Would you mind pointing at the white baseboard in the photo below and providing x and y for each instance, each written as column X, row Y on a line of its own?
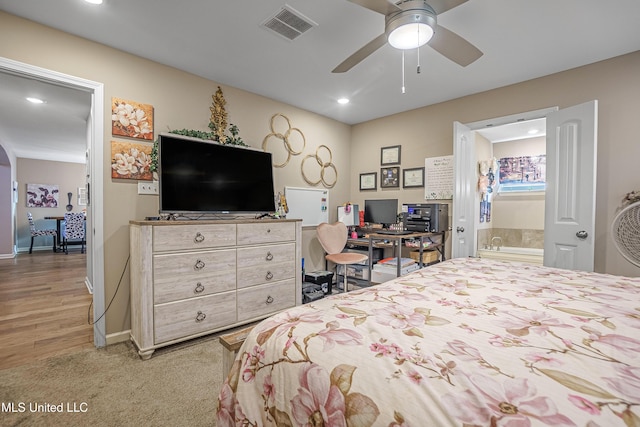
column 118, row 337
column 7, row 256
column 88, row 284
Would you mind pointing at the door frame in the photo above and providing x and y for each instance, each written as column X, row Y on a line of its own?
column 471, row 226
column 95, row 209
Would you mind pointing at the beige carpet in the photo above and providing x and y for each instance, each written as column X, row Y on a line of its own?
column 112, row 386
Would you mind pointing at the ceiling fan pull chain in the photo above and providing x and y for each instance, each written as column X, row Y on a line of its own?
column 418, row 49
column 403, row 71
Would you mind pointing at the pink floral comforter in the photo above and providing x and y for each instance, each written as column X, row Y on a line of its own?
column 468, row 342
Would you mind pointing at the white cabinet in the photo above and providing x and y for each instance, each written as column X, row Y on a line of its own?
column 192, row 278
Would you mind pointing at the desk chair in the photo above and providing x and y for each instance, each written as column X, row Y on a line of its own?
column 73, row 229
column 333, row 238
column 35, row 232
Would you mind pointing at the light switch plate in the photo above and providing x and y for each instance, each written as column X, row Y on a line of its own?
column 148, row 187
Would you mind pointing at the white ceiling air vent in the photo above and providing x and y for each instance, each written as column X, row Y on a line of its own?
column 289, row 23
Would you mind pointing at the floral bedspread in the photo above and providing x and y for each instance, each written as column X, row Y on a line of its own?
column 467, row 342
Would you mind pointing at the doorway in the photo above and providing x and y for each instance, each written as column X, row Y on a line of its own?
column 94, row 159
column 571, row 160
column 511, row 189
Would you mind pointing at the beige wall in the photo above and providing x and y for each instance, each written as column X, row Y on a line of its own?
column 428, row 132
column 182, row 100
column 520, row 210
column 67, row 176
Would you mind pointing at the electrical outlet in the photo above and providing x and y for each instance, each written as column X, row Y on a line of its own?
column 147, row 187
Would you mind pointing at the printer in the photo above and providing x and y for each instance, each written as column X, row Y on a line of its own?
column 426, row 217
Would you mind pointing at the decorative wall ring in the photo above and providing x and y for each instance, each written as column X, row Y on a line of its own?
column 285, row 137
column 323, row 168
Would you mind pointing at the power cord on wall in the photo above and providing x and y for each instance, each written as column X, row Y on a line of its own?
column 112, row 298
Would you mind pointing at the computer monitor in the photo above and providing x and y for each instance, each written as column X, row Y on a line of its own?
column 382, row 211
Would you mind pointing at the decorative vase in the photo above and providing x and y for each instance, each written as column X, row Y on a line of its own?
column 69, row 206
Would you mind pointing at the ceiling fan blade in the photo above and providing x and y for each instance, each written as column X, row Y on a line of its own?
column 441, row 6
column 380, row 6
column 454, row 47
column 361, row 54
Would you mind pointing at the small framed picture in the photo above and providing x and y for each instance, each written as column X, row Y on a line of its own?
column 390, row 155
column 82, row 196
column 368, row 181
column 413, row 177
column 390, row 177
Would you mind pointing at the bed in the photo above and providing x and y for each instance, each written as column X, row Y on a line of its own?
column 467, row 342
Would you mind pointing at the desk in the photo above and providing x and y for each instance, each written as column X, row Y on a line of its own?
column 375, row 240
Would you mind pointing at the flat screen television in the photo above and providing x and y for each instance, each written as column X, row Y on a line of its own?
column 197, row 176
column 381, row 211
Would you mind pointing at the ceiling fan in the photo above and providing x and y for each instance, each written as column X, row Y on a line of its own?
column 410, row 24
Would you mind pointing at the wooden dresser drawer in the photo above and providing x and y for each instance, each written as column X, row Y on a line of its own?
column 261, row 274
column 266, row 299
column 266, row 255
column 192, row 274
column 266, row 232
column 196, row 236
column 197, row 315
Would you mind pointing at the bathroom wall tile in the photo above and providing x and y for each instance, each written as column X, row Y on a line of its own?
column 533, row 239
column 512, row 237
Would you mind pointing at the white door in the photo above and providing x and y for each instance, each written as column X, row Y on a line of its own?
column 569, row 229
column 463, row 234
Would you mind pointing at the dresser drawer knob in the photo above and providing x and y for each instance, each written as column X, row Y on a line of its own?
column 200, row 316
column 199, row 265
column 269, row 256
column 269, row 275
column 199, row 238
column 269, row 299
column 268, row 230
column 199, row 288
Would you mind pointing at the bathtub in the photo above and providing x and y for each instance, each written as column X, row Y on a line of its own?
column 507, row 253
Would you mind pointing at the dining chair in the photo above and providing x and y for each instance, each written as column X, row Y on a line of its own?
column 74, row 229
column 43, row 232
column 333, row 239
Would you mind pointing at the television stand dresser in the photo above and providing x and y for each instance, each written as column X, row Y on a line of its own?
column 192, row 278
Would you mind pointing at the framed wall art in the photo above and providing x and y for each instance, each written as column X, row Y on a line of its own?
column 368, row 181
column 131, row 119
column 413, row 178
column 131, row 160
column 390, row 177
column 390, row 155
column 42, row 195
column 82, row 196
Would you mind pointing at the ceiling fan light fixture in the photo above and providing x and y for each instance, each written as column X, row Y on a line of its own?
column 410, row 36
column 410, row 28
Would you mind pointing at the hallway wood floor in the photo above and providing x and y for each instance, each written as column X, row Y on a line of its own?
column 44, row 304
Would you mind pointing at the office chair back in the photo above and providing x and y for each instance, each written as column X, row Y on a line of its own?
column 332, row 237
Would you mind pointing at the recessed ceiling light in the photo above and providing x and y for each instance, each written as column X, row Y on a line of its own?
column 533, row 131
column 35, row 100
column 343, row 101
column 94, row 1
